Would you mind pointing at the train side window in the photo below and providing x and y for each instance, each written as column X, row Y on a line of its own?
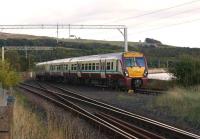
column 82, row 67
column 86, row 66
column 111, row 65
column 108, row 66
column 93, row 66
column 72, row 67
column 75, row 66
column 90, row 66
column 66, row 67
column 97, row 66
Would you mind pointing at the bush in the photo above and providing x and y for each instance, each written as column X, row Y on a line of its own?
column 8, row 76
column 187, row 71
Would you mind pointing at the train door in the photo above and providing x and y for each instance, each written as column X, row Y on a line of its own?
column 103, row 66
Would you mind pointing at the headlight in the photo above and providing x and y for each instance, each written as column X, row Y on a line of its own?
column 126, row 73
column 145, row 73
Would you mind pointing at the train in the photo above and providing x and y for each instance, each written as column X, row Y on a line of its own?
column 127, row 70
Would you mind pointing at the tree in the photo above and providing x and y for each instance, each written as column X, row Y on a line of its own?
column 187, row 71
column 8, row 76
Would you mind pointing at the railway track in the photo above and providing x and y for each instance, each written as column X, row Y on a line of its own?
column 123, row 123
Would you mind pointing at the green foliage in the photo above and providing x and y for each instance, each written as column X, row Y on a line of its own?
column 187, row 71
column 8, row 77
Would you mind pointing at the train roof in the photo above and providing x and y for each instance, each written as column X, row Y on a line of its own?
column 85, row 58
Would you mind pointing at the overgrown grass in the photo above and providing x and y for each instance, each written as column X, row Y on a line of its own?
column 27, row 124
column 182, row 103
column 31, row 123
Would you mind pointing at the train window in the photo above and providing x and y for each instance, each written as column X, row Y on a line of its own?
column 93, row 66
column 90, row 66
column 111, row 65
column 75, row 66
column 82, row 67
column 86, row 66
column 140, row 61
column 108, row 66
column 72, row 67
column 66, row 67
column 130, row 62
column 97, row 66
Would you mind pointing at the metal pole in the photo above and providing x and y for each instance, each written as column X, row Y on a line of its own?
column 125, row 40
column 2, row 53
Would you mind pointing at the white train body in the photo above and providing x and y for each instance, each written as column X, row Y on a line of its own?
column 95, row 68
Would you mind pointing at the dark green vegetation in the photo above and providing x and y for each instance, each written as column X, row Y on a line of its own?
column 187, row 71
column 161, row 56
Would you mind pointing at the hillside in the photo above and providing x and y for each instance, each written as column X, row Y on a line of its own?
column 161, row 56
column 12, row 36
column 4, row 35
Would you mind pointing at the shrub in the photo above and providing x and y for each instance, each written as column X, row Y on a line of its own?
column 187, row 71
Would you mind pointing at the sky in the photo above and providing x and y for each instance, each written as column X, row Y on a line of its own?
column 179, row 26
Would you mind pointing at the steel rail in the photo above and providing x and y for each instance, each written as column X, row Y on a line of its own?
column 130, row 126
column 182, row 133
column 85, row 114
column 144, row 132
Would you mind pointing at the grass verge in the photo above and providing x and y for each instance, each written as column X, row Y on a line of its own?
column 46, row 121
column 182, row 103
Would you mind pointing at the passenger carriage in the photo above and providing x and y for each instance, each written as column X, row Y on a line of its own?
column 125, row 69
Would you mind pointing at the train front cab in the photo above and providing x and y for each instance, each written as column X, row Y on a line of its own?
column 135, row 70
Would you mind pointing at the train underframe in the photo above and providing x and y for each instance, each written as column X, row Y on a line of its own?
column 111, row 81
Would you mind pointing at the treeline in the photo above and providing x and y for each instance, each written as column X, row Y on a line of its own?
column 187, row 70
column 28, row 42
column 157, row 57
